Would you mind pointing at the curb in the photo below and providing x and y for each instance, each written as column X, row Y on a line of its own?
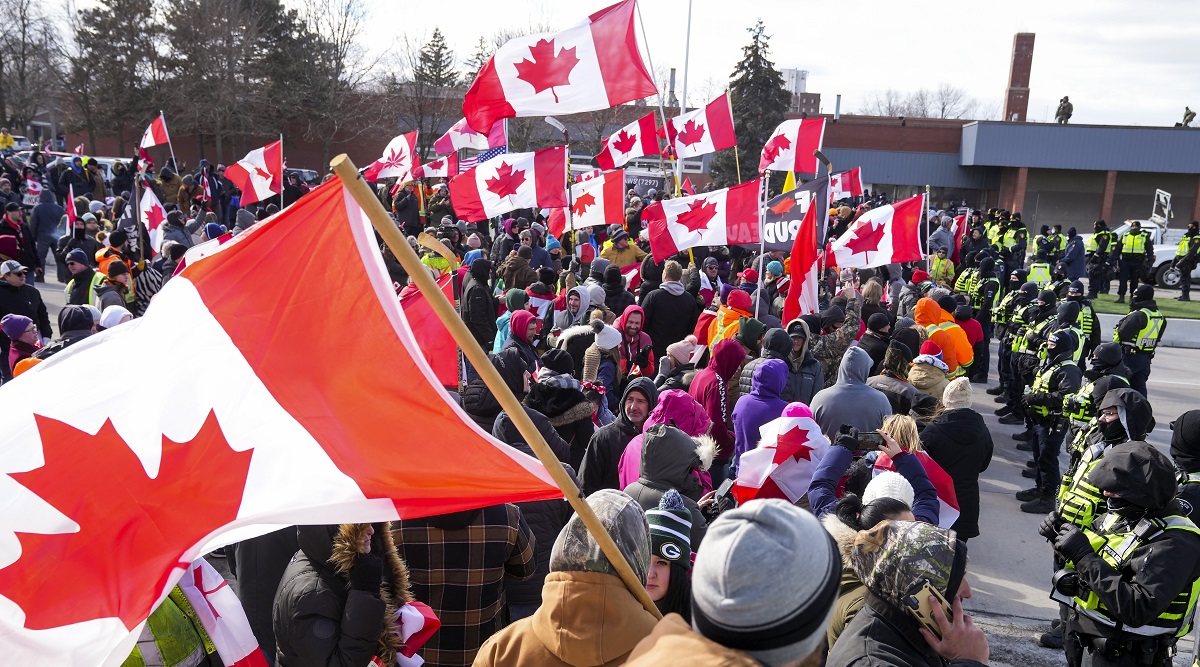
column 1180, row 332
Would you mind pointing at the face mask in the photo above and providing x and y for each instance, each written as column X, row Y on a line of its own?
column 1114, row 432
column 1093, row 374
column 1122, row 507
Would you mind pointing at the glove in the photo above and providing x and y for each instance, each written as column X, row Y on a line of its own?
column 1035, row 398
column 1072, row 544
column 367, row 573
column 847, row 440
column 1049, row 527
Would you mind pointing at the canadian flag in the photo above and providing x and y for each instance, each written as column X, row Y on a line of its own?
column 705, row 130
column 598, row 201
column 594, row 65
column 398, row 161
column 79, row 150
column 687, row 186
column 949, row 510
column 845, row 184
column 71, row 212
column 720, row 217
column 791, row 146
column 153, row 216
column 882, row 236
column 802, row 265
column 155, row 134
column 512, row 181
column 109, row 498
column 221, row 615
column 260, row 174
column 782, row 465
column 443, row 167
column 588, row 175
column 460, row 135
column 202, row 250
column 634, row 140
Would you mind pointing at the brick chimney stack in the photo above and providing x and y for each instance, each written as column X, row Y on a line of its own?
column 1016, row 101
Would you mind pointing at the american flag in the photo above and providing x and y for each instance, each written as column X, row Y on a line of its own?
column 472, row 162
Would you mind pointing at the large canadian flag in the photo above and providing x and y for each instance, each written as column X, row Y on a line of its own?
column 155, row 134
column 846, row 184
column 720, row 217
column 594, row 65
column 516, row 180
column 782, row 464
column 398, row 161
column 705, row 130
column 594, row 202
column 634, row 140
column 948, row 507
column 260, row 174
column 791, row 146
column 460, row 135
column 444, row 167
column 153, row 216
column 882, row 236
column 802, row 265
column 109, row 497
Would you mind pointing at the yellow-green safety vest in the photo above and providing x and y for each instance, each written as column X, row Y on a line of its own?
column 1093, row 242
column 940, row 270
column 1133, row 243
column 1041, row 385
column 965, row 282
column 1039, row 274
column 1078, row 348
column 1185, row 245
column 1002, row 310
column 172, row 637
column 1149, row 336
column 97, row 281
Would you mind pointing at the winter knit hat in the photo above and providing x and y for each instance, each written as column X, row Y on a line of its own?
column 473, row 241
column 931, row 348
column 947, row 303
column 919, row 277
column 895, row 556
column 558, row 361
column 889, row 484
column 877, row 322
column 515, row 299
column 112, row 316
column 78, row 256
column 797, row 409
column 681, row 351
column 775, row 268
column 726, row 289
column 671, row 529
column 14, row 325
column 607, row 338
column 749, row 331
column 214, row 230
column 117, row 268
column 775, row 615
column 957, row 394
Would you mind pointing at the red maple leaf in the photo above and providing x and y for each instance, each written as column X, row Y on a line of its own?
column 133, row 529
column 582, row 202
column 691, row 133
column 793, row 443
column 464, row 129
column 547, row 70
column 154, row 217
column 506, row 181
column 866, row 239
column 697, row 216
column 623, row 142
column 436, row 165
column 784, row 206
column 777, row 143
column 264, row 174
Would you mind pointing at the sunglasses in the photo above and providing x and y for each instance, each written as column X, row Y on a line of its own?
column 74, row 264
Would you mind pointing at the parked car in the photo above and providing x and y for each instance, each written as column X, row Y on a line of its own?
column 308, row 176
column 1166, row 242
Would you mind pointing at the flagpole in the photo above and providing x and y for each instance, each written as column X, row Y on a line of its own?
column 687, row 48
column 662, row 112
column 137, row 219
column 170, row 147
column 925, row 221
column 282, row 176
column 386, row 227
column 737, row 161
column 762, row 238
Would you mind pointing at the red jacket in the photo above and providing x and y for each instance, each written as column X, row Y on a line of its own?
column 707, row 388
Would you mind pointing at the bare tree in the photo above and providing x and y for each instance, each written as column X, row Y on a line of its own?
column 419, row 97
column 887, row 103
column 950, row 101
column 947, row 101
column 29, row 64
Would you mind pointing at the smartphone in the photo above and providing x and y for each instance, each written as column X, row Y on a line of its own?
column 870, row 440
column 917, row 604
column 721, row 499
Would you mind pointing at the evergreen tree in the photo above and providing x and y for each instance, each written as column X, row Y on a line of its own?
column 435, row 66
column 477, row 60
column 759, row 100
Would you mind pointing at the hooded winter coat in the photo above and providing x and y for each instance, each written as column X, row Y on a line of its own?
column 633, row 350
column 850, row 401
column 564, row 319
column 673, row 642
column 560, row 399
column 478, row 400
column 616, row 297
column 959, row 441
column 668, row 458
column 928, row 378
column 588, row 617
column 761, row 405
column 518, row 326
column 711, row 389
column 516, row 273
column 956, row 349
column 477, row 306
column 671, row 314
column 675, row 408
column 319, row 620
column 603, row 455
column 805, row 375
column 45, row 217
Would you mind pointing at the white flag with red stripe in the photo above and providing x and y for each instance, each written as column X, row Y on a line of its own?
column 802, row 264
column 460, row 135
column 782, row 465
column 155, row 134
column 948, row 511
column 108, row 497
column 79, row 150
column 634, row 140
column 71, row 212
column 443, row 167
column 791, row 146
column 398, row 161
column 508, row 182
column 845, row 185
column 594, row 65
column 882, row 236
column 221, row 615
column 720, row 217
column 260, row 174
column 153, row 216
column 705, row 130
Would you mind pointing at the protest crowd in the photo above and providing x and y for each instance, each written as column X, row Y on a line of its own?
column 787, row 454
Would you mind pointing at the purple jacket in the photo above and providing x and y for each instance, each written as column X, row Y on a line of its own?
column 762, row 405
column 675, row 408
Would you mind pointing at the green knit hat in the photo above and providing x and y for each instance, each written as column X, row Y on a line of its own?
column 671, row 530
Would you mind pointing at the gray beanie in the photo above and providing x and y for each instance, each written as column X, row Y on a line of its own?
column 776, row 614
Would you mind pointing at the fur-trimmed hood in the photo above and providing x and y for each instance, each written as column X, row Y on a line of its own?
column 842, row 534
column 332, row 549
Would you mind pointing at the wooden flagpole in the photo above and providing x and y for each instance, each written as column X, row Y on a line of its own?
column 174, row 162
column 387, row 229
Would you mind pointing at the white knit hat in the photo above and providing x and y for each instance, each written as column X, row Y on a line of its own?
column 888, row 484
column 607, row 338
column 957, row 394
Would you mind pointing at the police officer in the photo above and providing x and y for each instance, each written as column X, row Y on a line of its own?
column 1139, row 333
column 1014, row 241
column 1029, row 322
column 985, row 290
column 1002, row 316
column 1132, row 577
column 1058, row 377
column 1039, row 270
column 1185, row 449
column 1043, row 244
column 1059, row 282
column 1098, row 260
column 1133, row 248
column 1089, row 326
column 1058, row 241
column 1186, row 257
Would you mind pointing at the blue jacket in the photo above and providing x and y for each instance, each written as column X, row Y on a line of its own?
column 1074, row 258
column 763, row 404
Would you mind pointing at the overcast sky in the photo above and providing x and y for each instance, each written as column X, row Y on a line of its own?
column 1120, row 62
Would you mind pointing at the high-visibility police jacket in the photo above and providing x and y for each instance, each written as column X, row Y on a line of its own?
column 1086, row 321
column 993, row 230
column 1116, row 542
column 97, row 282
column 966, row 280
column 1009, row 239
column 1043, row 383
column 1078, row 500
column 1100, row 242
column 1150, row 335
column 1002, row 312
column 1058, row 242
column 983, row 295
column 1134, row 243
column 172, row 637
column 1039, row 273
column 1053, row 329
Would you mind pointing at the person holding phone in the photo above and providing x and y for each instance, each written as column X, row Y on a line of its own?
column 850, row 445
column 916, row 579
